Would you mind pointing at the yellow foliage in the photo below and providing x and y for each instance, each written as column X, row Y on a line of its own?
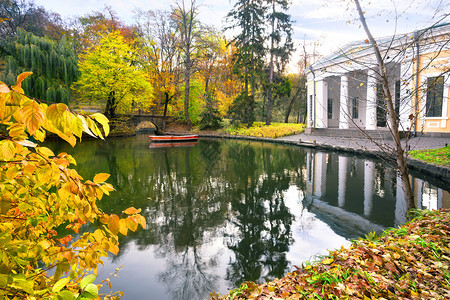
column 40, row 194
column 275, row 130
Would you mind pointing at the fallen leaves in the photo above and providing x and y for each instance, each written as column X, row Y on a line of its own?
column 410, row 262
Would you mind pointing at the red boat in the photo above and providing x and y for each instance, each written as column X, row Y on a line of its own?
column 173, row 138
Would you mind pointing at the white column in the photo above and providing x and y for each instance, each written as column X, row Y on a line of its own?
column 310, row 173
column 418, row 191
column 310, row 102
column 342, row 179
column 369, row 167
column 371, row 103
column 407, row 98
column 321, row 108
column 344, row 113
column 320, row 180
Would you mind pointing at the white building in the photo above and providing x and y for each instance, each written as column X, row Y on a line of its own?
column 344, row 90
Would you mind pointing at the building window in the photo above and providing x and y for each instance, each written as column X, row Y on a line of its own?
column 355, row 108
column 330, row 108
column 435, row 95
column 381, row 106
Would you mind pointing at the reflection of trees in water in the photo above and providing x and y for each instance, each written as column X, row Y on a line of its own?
column 190, row 210
column 188, row 194
column 262, row 220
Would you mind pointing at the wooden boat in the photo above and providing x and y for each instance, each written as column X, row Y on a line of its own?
column 173, row 138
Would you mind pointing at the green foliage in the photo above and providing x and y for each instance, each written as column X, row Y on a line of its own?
column 53, row 64
column 242, row 110
column 247, row 21
column 259, row 129
column 210, row 117
column 440, row 157
column 110, row 74
column 412, row 265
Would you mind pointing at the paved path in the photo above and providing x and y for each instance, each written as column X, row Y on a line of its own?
column 422, row 142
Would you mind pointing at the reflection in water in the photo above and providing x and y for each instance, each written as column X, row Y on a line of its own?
column 222, row 212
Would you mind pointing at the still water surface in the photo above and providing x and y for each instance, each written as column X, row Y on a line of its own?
column 223, row 212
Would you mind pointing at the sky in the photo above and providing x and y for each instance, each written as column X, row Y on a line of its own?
column 331, row 23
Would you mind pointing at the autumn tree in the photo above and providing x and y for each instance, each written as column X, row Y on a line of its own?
column 186, row 18
column 46, row 248
column 53, row 64
column 281, row 45
column 159, row 53
column 89, row 29
column 111, row 75
column 26, row 15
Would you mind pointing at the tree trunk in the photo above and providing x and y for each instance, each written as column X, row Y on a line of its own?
column 399, row 152
column 269, row 92
column 166, row 102
column 186, row 95
column 291, row 104
column 110, row 105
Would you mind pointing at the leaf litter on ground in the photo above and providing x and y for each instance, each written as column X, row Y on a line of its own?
column 409, row 262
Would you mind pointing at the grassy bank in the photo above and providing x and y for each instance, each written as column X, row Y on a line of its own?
column 440, row 157
column 410, row 262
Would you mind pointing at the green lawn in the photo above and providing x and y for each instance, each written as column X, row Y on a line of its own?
column 440, row 157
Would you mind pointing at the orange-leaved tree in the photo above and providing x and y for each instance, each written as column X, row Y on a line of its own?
column 42, row 200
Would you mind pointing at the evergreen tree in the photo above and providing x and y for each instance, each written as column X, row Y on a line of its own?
column 247, row 16
column 281, row 45
column 53, row 64
column 210, row 117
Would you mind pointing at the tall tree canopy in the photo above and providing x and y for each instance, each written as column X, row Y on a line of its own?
column 111, row 75
column 188, row 29
column 247, row 18
column 281, row 45
column 53, row 64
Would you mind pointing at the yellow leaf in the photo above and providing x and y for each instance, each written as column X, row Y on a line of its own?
column 77, row 127
column 98, row 235
column 93, row 127
column 29, row 169
column 131, row 211
column 45, row 151
column 102, row 120
column 8, row 149
column 85, row 126
column 114, row 224
column 45, row 244
column 101, row 177
column 123, row 226
column 40, row 135
column 21, row 77
column 114, row 249
column 32, row 116
column 327, row 261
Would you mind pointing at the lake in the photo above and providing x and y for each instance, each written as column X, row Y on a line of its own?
column 221, row 212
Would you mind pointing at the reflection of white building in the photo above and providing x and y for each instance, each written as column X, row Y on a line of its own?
column 361, row 187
